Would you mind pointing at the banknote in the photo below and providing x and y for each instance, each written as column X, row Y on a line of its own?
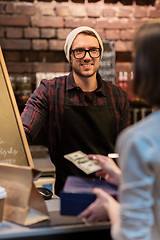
column 82, row 161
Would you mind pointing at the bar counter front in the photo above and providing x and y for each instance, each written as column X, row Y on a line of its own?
column 57, row 227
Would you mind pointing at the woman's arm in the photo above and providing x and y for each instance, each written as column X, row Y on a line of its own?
column 104, row 206
column 136, row 200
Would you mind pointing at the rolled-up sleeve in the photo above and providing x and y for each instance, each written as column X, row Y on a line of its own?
column 35, row 112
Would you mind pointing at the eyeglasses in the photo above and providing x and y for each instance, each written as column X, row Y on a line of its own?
column 80, row 53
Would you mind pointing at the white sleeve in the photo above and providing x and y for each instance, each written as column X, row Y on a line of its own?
column 115, row 231
column 136, row 215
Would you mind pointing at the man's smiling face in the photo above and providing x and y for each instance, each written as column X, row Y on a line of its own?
column 87, row 66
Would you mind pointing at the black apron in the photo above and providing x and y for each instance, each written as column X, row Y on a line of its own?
column 91, row 129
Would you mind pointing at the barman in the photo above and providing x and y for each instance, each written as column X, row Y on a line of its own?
column 80, row 111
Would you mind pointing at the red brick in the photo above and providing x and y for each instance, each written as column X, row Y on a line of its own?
column 51, row 67
column 29, row 56
column 127, row 34
column 46, row 8
column 48, row 33
column 12, row 56
column 39, row 44
column 140, row 12
column 62, row 11
column 77, row 22
column 136, row 23
column 14, row 20
column 2, row 8
column 25, row 8
column 123, row 46
column 14, row 32
column 154, row 13
column 50, row 56
column 9, row 8
column 94, row 10
column 2, row 32
column 112, row 34
column 63, row 32
column 15, row 44
column 47, row 21
column 112, row 24
column 19, row 67
column 109, row 12
column 125, row 12
column 78, row 11
column 56, row 45
column 31, row 32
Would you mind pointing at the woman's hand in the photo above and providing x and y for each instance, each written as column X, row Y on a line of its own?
column 110, row 171
column 104, row 207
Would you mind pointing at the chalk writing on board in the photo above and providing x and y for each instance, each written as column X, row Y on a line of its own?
column 10, row 161
column 7, row 155
column 107, row 63
column 10, row 151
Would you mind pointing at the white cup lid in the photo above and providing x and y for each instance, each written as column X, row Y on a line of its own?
column 113, row 155
column 3, row 193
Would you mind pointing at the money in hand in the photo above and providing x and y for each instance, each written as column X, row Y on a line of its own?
column 82, row 161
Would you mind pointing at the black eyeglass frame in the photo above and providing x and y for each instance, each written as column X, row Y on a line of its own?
column 73, row 51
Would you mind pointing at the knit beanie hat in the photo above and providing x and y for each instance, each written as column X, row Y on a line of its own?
column 72, row 35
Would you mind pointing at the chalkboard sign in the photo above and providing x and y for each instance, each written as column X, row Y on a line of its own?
column 107, row 63
column 14, row 147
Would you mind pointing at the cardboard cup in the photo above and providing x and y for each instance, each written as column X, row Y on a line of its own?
column 3, row 195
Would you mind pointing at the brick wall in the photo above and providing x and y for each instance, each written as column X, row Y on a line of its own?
column 33, row 32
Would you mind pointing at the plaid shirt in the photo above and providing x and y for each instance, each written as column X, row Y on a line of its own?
column 45, row 107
